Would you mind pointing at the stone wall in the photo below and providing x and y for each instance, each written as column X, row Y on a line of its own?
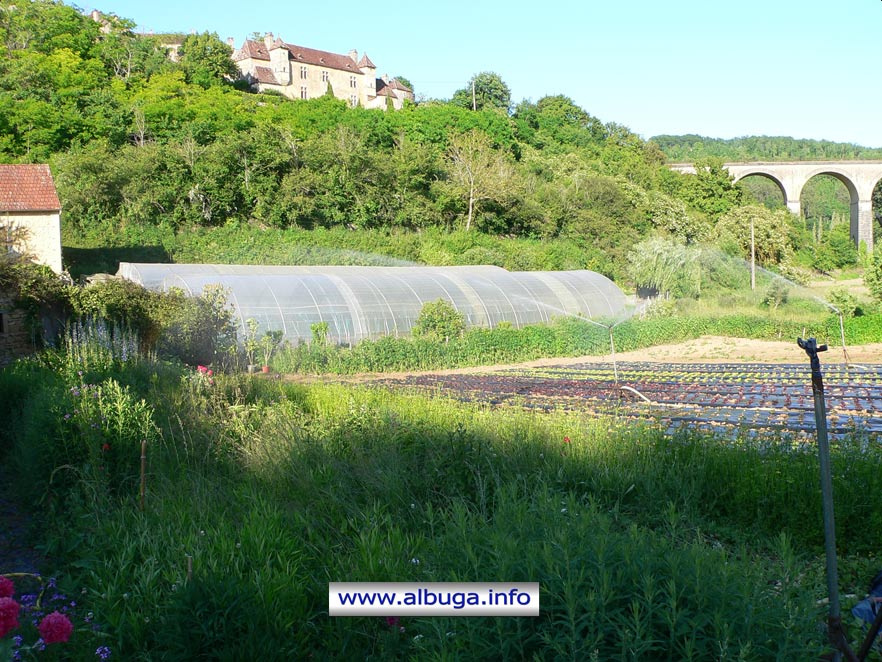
column 15, row 335
column 42, row 240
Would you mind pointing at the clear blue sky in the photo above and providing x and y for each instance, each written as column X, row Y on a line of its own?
column 807, row 69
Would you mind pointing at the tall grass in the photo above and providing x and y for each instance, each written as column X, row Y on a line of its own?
column 645, row 546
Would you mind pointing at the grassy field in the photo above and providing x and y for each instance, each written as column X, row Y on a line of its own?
column 261, row 492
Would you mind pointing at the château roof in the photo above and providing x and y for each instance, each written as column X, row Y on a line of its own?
column 395, row 84
column 257, row 50
column 321, row 58
column 265, row 75
column 365, row 63
column 27, row 187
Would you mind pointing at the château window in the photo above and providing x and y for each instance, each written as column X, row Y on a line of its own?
column 303, row 72
column 352, row 82
column 324, row 76
column 303, row 92
column 353, row 100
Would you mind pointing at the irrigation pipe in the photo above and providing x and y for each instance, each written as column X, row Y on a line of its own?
column 638, row 393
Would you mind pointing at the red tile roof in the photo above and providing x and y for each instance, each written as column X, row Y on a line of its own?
column 253, row 49
column 365, row 62
column 27, row 188
column 322, row 58
column 396, row 85
column 265, row 75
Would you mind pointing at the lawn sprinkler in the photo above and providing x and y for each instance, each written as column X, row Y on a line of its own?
column 835, row 632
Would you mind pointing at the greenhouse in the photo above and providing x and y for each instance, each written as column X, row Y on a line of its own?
column 368, row 302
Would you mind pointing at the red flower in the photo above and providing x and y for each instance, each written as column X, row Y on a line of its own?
column 392, row 621
column 8, row 615
column 566, row 440
column 7, row 588
column 55, row 627
column 105, row 447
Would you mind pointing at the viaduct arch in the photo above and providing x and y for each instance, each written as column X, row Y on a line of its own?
column 859, row 177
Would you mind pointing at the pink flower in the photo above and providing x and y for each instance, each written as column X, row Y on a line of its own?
column 211, row 373
column 55, row 627
column 7, row 588
column 202, row 369
column 8, row 615
column 566, row 440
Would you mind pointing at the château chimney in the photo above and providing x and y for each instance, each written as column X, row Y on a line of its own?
column 268, row 39
column 354, row 55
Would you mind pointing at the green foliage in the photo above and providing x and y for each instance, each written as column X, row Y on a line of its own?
column 761, row 148
column 777, row 293
column 485, row 90
column 873, row 274
column 846, row 302
column 205, row 59
column 331, row 481
column 439, row 320
column 319, row 331
column 710, row 190
column 666, row 266
column 772, row 245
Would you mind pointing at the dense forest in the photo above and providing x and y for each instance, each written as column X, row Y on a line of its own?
column 144, row 146
column 690, row 148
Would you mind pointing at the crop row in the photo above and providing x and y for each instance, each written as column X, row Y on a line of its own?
column 757, row 398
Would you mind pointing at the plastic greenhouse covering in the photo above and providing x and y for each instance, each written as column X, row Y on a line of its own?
column 367, row 302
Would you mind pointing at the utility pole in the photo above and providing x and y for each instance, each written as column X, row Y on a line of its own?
column 752, row 257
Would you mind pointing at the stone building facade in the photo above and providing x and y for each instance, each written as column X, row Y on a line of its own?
column 30, row 225
column 306, row 73
column 30, row 213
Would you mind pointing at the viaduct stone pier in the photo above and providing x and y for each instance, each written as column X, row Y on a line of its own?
column 859, row 177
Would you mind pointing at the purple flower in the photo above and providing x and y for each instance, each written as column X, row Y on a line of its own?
column 103, row 652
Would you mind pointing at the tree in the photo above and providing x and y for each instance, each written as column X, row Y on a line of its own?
column 771, row 230
column 206, row 60
column 484, row 90
column 478, row 171
column 873, row 274
column 711, row 189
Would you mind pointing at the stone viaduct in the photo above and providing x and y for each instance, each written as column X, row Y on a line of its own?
column 859, row 177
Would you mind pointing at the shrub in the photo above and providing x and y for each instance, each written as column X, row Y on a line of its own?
column 845, row 301
column 439, row 320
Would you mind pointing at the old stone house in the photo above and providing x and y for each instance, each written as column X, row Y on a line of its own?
column 30, row 226
column 306, row 73
column 30, row 213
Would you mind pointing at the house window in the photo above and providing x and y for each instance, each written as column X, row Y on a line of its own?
column 303, row 92
column 303, row 73
column 353, row 100
column 352, row 82
column 324, row 76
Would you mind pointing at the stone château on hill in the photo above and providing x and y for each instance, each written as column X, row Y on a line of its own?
column 305, row 73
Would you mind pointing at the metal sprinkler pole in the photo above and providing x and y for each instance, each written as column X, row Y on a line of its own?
column 834, row 620
column 612, row 347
